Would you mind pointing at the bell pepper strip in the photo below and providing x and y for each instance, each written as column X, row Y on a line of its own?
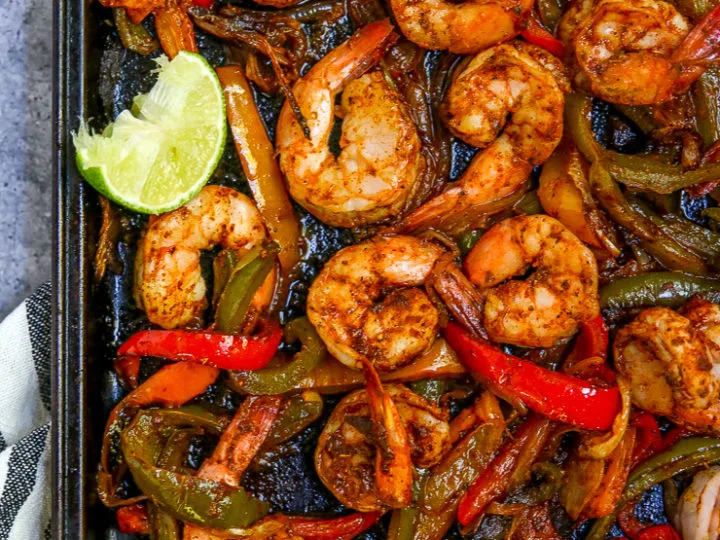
column 711, row 155
column 333, row 377
column 495, row 478
column 705, row 92
column 162, row 525
column 297, row 413
column 648, row 440
column 687, row 455
column 537, row 35
column 330, row 529
column 133, row 36
column 234, row 314
column 670, row 289
column 261, row 168
column 603, row 445
column 133, row 519
column 592, row 342
column 186, row 497
column 207, row 4
column 555, row 395
column 175, row 30
column 578, row 120
column 652, row 238
column 171, row 386
column 127, row 369
column 222, row 351
column 659, row 532
column 278, row 379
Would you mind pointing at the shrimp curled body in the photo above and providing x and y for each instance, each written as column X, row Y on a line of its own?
column 365, row 304
column 346, row 451
column 169, row 283
column 553, row 301
column 462, row 28
column 672, row 360
column 380, row 158
column 508, row 100
column 623, row 50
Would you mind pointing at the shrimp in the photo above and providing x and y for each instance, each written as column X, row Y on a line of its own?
column 364, row 303
column 516, row 79
column 346, row 455
column 551, row 304
column 168, row 280
column 634, row 52
column 462, row 28
column 672, row 360
column 380, row 158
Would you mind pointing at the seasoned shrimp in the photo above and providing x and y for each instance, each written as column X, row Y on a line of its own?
column 345, row 457
column 168, row 280
column 630, row 51
column 672, row 360
column 551, row 304
column 462, row 28
column 365, row 304
column 515, row 80
column 380, row 157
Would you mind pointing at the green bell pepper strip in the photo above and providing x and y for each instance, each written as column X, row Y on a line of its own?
column 430, row 389
column 706, row 93
column 162, row 525
column 671, row 289
column 697, row 239
column 578, row 120
column 223, row 265
column 550, row 12
column 640, row 115
column 246, row 278
column 653, row 239
column 298, row 412
column 688, row 455
column 286, row 377
column 712, row 213
column 643, row 173
column 185, row 497
column 133, row 36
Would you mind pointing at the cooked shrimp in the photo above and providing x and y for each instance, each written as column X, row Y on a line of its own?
column 345, row 457
column 629, row 51
column 550, row 304
column 380, row 157
column 462, row 28
column 365, row 304
column 515, row 80
column 168, row 280
column 672, row 360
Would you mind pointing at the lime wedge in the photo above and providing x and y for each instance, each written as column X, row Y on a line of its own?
column 160, row 158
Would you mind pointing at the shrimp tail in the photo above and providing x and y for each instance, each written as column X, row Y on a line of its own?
column 393, row 465
column 702, row 45
column 354, row 57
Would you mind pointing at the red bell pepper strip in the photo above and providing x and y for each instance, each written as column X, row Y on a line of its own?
column 133, row 519
column 659, row 532
column 222, row 351
column 648, row 440
column 331, row 529
column 207, row 4
column 493, row 482
column 591, row 342
column 555, row 395
column 537, row 35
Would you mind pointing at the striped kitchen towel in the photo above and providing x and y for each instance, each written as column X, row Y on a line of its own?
column 25, row 419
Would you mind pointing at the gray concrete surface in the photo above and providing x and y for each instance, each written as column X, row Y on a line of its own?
column 25, row 148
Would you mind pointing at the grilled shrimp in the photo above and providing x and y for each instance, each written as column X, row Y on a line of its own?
column 168, row 280
column 550, row 304
column 631, row 51
column 380, row 157
column 462, row 28
column 672, row 360
column 515, row 79
column 365, row 304
column 346, row 454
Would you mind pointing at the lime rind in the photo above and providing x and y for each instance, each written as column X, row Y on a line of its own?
column 160, row 157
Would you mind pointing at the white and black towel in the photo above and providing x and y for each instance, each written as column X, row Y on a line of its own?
column 25, row 419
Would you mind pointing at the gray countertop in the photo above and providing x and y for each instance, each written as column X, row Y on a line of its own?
column 25, row 148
